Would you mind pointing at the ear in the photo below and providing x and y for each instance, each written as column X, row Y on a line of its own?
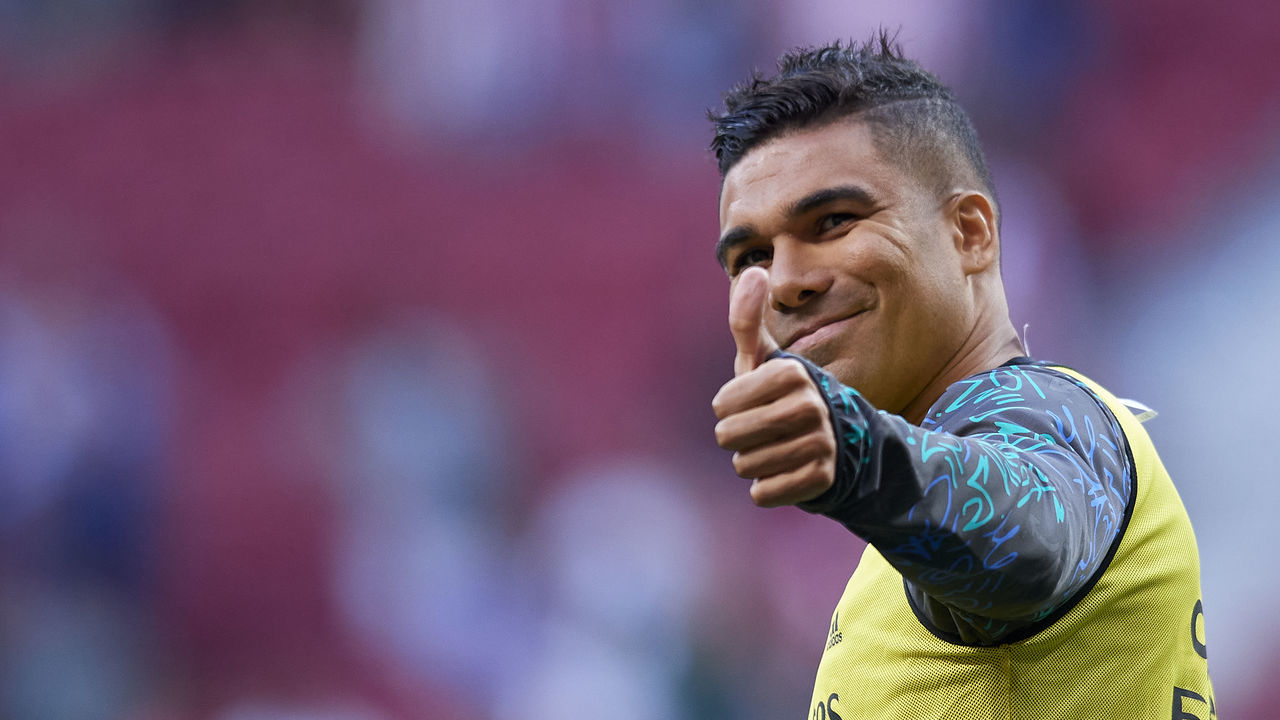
column 974, row 228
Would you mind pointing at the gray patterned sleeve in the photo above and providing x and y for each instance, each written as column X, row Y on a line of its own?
column 998, row 510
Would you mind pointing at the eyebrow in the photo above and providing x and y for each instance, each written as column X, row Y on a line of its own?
column 727, row 241
column 818, row 198
column 814, row 200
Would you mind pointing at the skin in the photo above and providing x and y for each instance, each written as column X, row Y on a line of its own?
column 839, row 255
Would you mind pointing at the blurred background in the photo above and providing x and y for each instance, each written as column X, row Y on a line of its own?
column 356, row 357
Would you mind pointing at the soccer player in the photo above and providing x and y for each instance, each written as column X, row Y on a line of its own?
column 1028, row 554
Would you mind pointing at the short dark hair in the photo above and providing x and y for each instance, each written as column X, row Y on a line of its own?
column 913, row 117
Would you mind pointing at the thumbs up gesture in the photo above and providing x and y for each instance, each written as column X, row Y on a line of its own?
column 746, row 320
column 771, row 414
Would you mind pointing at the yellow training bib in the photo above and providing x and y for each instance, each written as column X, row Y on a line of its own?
column 1132, row 647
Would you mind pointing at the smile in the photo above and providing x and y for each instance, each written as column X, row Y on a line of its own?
column 820, row 334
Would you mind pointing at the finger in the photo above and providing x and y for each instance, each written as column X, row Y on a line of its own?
column 797, row 486
column 747, row 305
column 782, row 457
column 785, row 418
column 772, row 380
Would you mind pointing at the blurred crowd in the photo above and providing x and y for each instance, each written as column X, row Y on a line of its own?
column 356, row 357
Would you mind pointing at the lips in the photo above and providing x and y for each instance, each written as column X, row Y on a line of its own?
column 816, row 333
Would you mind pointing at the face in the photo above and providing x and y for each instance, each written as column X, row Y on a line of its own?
column 865, row 275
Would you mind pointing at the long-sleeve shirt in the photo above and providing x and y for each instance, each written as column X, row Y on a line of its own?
column 998, row 509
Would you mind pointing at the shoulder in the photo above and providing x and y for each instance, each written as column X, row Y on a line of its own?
column 1005, row 387
column 1008, row 389
column 1029, row 401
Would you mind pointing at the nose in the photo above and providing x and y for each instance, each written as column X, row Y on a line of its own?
column 796, row 275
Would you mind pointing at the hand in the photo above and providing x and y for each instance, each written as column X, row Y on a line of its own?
column 771, row 414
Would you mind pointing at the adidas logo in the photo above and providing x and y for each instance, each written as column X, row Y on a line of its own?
column 835, row 635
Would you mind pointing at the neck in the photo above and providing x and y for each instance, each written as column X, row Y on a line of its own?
column 982, row 350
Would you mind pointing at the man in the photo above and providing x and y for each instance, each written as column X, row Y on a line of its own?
column 1028, row 555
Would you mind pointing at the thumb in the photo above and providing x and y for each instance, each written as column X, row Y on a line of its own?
column 747, row 305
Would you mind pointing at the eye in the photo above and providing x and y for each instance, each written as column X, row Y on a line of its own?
column 747, row 258
column 834, row 220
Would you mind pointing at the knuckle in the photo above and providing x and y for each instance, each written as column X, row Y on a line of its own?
column 782, row 370
column 820, row 479
column 812, row 408
column 815, row 445
column 804, row 411
column 794, row 372
column 824, row 443
column 812, row 391
column 789, row 411
column 743, row 323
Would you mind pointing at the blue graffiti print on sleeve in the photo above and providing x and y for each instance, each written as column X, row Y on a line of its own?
column 1012, row 492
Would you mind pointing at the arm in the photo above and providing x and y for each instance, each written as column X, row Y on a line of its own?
column 998, row 510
